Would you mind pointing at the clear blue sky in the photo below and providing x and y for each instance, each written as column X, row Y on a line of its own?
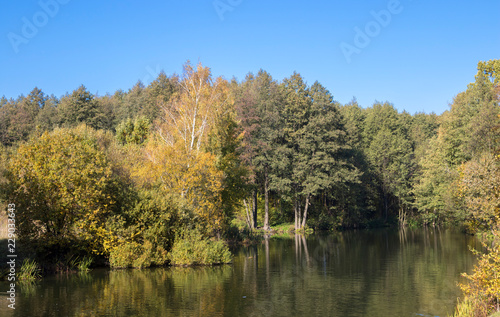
column 419, row 58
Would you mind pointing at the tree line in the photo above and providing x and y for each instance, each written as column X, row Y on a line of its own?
column 150, row 176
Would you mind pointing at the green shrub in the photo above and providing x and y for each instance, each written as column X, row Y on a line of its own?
column 192, row 248
column 124, row 255
column 146, row 231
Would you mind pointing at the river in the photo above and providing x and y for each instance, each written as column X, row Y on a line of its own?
column 382, row 272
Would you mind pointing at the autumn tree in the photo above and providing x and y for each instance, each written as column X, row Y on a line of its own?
column 63, row 187
column 479, row 187
column 468, row 125
column 466, row 134
column 194, row 122
column 422, row 128
column 489, row 69
column 354, row 121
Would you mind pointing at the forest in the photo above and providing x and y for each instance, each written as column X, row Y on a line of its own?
column 170, row 172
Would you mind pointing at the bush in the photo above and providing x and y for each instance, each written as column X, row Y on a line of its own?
column 483, row 287
column 192, row 248
column 63, row 187
column 143, row 234
column 125, row 255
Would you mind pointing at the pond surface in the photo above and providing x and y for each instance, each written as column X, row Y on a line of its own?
column 357, row 273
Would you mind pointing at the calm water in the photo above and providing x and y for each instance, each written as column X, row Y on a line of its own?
column 361, row 273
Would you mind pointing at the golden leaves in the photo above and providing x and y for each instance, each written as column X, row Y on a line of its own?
column 484, row 283
column 177, row 156
column 62, row 183
column 479, row 187
column 191, row 114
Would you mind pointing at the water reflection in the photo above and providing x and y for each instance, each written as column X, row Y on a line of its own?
column 364, row 273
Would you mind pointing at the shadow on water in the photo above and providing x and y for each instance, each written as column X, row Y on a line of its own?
column 358, row 273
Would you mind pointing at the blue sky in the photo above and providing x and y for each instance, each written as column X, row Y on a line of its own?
column 417, row 54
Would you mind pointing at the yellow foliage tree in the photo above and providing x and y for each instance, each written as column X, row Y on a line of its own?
column 479, row 187
column 191, row 114
column 62, row 186
column 193, row 176
column 179, row 154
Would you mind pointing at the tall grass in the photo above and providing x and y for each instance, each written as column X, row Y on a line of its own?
column 81, row 265
column 29, row 271
column 84, row 264
column 464, row 308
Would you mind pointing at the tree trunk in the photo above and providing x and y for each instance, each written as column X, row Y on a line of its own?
column 305, row 211
column 296, row 216
column 248, row 218
column 266, row 203
column 254, row 209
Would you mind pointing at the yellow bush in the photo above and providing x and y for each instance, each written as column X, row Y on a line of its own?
column 483, row 287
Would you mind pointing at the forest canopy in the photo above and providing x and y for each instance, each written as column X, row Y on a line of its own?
column 146, row 176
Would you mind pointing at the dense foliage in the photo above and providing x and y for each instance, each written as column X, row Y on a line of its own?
column 161, row 174
column 64, row 186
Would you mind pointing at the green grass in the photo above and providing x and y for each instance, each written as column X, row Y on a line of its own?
column 81, row 265
column 84, row 264
column 29, row 271
column 279, row 231
column 283, row 228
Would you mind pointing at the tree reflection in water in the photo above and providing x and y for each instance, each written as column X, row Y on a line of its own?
column 356, row 273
